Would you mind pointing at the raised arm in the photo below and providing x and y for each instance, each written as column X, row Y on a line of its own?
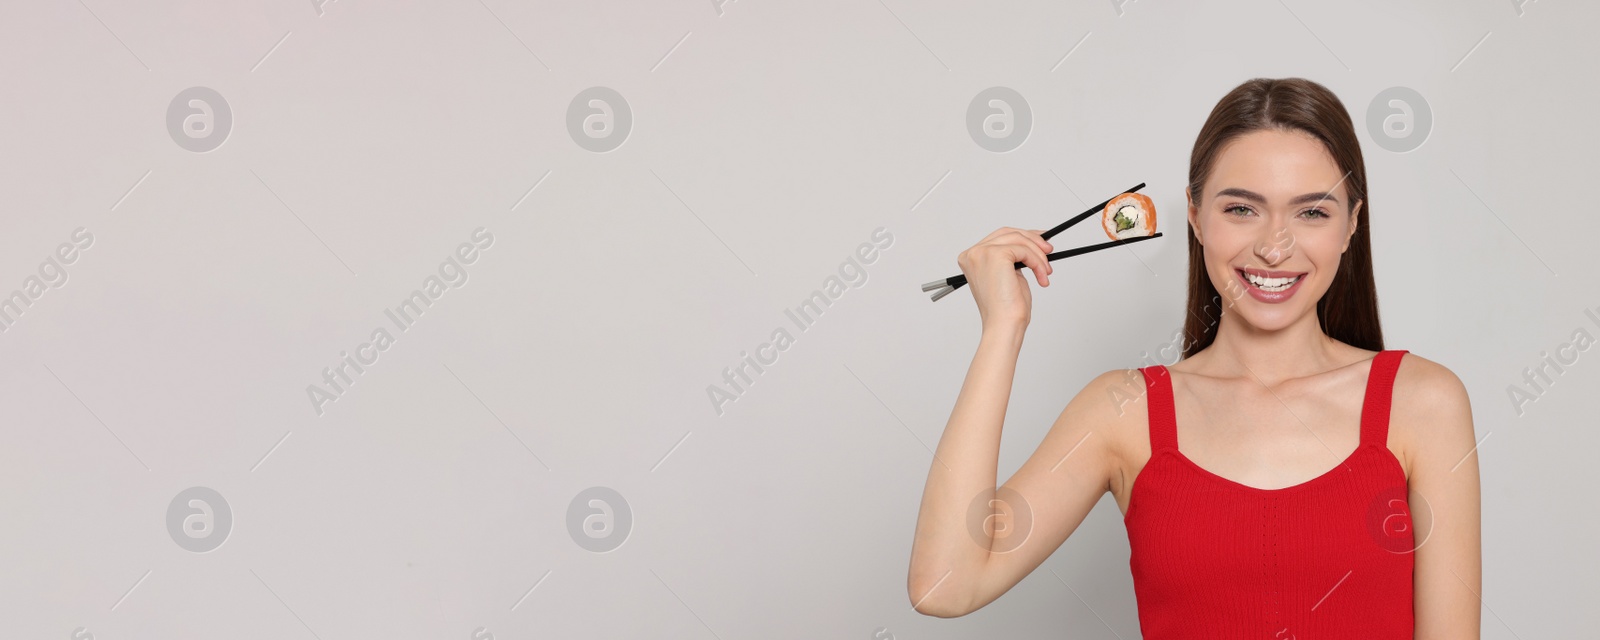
column 975, row 541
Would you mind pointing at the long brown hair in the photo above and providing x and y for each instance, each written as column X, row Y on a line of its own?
column 1348, row 312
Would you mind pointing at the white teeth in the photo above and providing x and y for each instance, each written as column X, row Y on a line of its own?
column 1271, row 284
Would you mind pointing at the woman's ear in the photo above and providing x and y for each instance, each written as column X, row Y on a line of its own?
column 1194, row 216
column 1355, row 221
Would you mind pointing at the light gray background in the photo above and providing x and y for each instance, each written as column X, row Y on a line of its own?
column 769, row 139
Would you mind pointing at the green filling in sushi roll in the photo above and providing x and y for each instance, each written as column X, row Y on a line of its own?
column 1124, row 222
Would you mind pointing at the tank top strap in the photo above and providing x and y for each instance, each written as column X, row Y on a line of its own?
column 1163, row 414
column 1380, row 389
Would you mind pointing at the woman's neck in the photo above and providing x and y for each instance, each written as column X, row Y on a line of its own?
column 1271, row 356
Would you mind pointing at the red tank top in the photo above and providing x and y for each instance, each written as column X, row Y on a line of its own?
column 1329, row 558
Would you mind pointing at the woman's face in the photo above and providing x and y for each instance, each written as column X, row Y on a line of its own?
column 1274, row 207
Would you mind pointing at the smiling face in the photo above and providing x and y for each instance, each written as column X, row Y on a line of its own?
column 1275, row 219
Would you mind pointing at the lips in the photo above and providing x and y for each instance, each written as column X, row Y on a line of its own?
column 1274, row 277
column 1264, row 273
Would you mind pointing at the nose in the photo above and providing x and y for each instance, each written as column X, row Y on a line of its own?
column 1276, row 245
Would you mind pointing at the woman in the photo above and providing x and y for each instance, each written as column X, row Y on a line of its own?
column 1288, row 477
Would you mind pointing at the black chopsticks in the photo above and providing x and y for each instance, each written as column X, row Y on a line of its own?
column 947, row 285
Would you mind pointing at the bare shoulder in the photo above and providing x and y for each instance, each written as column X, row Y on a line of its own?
column 1421, row 383
column 1111, row 398
column 1109, row 407
column 1430, row 409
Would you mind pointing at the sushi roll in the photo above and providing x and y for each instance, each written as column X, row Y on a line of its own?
column 1129, row 215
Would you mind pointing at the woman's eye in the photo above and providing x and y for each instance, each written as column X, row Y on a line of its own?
column 1315, row 214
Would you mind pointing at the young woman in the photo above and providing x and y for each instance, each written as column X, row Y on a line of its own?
column 1288, row 477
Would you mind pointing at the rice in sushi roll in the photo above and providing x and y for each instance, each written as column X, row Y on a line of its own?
column 1129, row 215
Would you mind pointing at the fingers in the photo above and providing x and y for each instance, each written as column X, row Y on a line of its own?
column 1046, row 248
column 1035, row 236
column 995, row 234
column 1040, row 262
column 1038, row 236
column 1026, row 246
column 1029, row 254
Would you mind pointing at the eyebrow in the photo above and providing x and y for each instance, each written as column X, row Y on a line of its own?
column 1256, row 197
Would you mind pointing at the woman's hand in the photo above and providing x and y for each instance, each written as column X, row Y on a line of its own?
column 997, row 284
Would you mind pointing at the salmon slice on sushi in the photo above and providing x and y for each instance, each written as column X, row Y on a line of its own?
column 1129, row 215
